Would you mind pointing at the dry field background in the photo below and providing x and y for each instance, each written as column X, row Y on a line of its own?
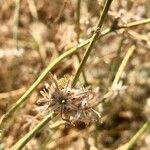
column 101, row 47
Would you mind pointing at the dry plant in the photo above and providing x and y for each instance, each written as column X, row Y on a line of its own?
column 72, row 104
column 97, row 111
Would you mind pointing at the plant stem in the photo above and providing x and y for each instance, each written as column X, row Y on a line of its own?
column 33, row 9
column 77, row 57
column 108, row 94
column 49, row 68
column 123, row 64
column 92, row 42
column 22, row 142
column 136, row 23
column 115, row 63
column 57, row 61
column 78, row 19
column 16, row 23
column 134, row 139
column 60, row 11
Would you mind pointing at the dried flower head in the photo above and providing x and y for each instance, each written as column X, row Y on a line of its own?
column 72, row 104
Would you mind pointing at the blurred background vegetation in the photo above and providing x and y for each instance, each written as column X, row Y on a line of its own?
column 34, row 33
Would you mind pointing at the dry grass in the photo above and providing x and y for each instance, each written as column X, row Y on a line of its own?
column 101, row 48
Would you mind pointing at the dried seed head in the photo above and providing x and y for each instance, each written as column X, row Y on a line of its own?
column 72, row 104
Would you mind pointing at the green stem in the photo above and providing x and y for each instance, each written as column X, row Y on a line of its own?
column 92, row 41
column 78, row 19
column 122, row 65
column 33, row 9
column 51, row 66
column 134, row 139
column 136, row 23
column 78, row 37
column 115, row 63
column 22, row 142
column 16, row 22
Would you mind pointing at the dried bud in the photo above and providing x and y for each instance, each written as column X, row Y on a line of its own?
column 72, row 104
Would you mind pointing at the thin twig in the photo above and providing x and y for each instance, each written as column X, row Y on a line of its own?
column 78, row 19
column 77, row 57
column 61, row 11
column 138, row 36
column 136, row 23
column 22, row 142
column 109, row 94
column 57, row 61
column 28, row 137
column 33, row 9
column 135, row 138
column 92, row 41
column 16, row 22
column 115, row 63
column 123, row 64
column 49, row 68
